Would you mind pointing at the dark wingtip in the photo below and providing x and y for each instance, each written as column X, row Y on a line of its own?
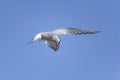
column 55, row 49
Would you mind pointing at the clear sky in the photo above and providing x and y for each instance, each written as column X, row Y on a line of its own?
column 84, row 57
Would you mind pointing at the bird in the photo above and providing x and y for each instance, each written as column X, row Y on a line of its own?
column 52, row 39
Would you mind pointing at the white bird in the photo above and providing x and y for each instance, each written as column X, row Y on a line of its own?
column 52, row 39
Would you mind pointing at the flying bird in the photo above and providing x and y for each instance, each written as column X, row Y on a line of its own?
column 52, row 39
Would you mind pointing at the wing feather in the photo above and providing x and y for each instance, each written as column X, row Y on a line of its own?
column 73, row 31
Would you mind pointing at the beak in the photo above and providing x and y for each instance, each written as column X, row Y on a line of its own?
column 30, row 42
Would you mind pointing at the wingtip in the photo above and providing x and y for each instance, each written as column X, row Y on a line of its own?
column 55, row 49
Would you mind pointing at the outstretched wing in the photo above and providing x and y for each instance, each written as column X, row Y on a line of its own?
column 74, row 31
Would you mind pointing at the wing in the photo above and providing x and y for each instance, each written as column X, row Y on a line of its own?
column 73, row 31
column 53, row 45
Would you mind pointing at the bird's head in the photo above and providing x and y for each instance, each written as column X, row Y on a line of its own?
column 36, row 37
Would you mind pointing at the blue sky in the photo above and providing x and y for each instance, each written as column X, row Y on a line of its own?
column 84, row 57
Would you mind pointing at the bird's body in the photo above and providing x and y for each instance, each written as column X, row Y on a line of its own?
column 52, row 40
